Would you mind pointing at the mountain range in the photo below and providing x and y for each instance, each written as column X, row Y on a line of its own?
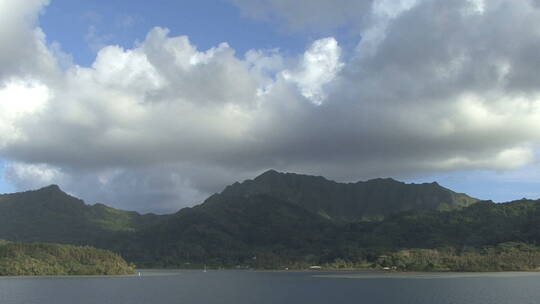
column 275, row 219
column 349, row 202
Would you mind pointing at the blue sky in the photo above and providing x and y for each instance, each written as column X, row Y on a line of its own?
column 121, row 22
column 5, row 187
column 116, row 106
column 488, row 185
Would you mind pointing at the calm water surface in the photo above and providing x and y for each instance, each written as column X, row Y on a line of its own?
column 239, row 287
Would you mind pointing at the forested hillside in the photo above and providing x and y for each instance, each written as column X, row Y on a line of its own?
column 346, row 202
column 51, row 215
column 27, row 259
column 288, row 220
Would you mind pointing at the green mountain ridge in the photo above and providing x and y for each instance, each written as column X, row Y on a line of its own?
column 281, row 219
column 51, row 215
column 348, row 202
column 230, row 230
column 234, row 230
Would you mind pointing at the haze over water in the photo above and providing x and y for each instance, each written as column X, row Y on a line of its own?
column 164, row 287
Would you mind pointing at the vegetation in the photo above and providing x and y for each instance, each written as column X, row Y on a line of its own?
column 51, row 215
column 264, row 232
column 29, row 259
column 349, row 202
column 503, row 257
column 294, row 221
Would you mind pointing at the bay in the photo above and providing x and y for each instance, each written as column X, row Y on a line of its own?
column 239, row 287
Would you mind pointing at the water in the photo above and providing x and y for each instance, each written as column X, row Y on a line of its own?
column 239, row 287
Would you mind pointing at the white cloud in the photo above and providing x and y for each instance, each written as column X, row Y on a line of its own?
column 392, row 8
column 23, row 50
column 512, row 158
column 431, row 87
column 320, row 65
column 33, row 175
column 19, row 98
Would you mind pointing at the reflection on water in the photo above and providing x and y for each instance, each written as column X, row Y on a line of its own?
column 239, row 287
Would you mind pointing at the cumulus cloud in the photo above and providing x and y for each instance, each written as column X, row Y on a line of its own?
column 320, row 65
column 19, row 99
column 33, row 175
column 433, row 86
column 23, row 50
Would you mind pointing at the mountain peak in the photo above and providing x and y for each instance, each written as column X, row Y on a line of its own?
column 274, row 175
column 268, row 174
column 374, row 198
column 51, row 188
column 382, row 180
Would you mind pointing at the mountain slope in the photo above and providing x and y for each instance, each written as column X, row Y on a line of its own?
column 275, row 219
column 482, row 224
column 51, row 215
column 266, row 232
column 231, row 230
column 375, row 198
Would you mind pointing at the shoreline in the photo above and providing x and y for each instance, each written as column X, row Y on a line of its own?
column 432, row 275
column 344, row 271
column 329, row 274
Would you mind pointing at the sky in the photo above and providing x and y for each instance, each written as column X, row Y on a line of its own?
column 153, row 106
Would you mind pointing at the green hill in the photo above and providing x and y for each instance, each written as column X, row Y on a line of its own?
column 375, row 198
column 27, row 259
column 295, row 220
column 231, row 231
column 265, row 232
column 482, row 224
column 51, row 215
